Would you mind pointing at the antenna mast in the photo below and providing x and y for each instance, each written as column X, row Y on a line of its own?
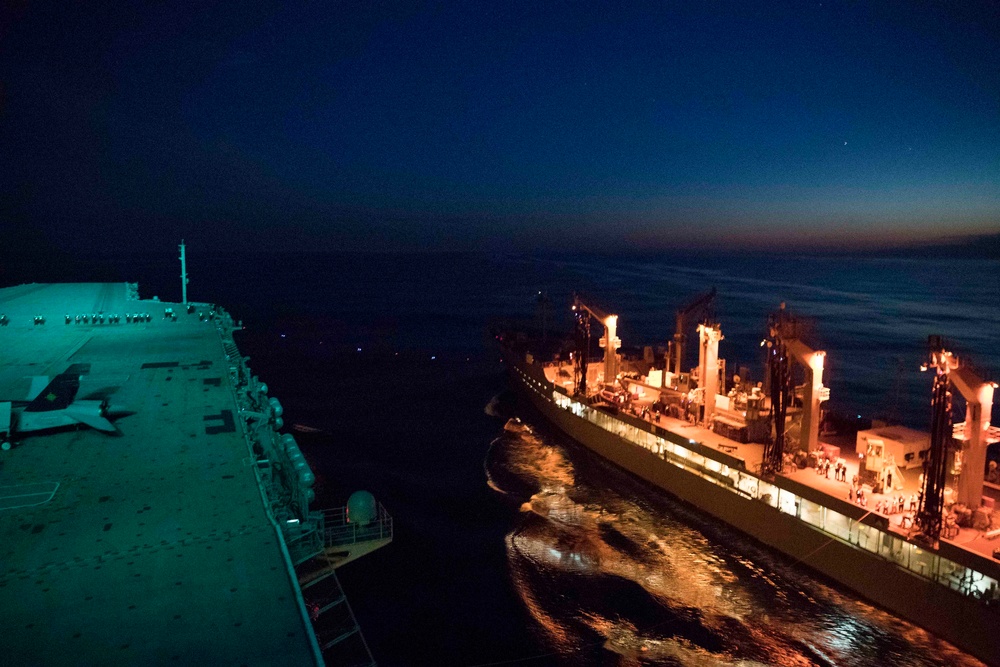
column 184, row 277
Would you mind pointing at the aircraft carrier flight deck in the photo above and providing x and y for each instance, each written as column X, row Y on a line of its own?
column 155, row 543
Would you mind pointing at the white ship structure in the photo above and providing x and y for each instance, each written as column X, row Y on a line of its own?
column 902, row 518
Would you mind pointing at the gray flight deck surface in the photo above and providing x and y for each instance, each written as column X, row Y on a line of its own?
column 149, row 547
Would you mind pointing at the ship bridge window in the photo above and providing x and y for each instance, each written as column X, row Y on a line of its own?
column 866, row 537
column 986, row 588
column 967, row 581
column 768, row 493
column 812, row 513
column 838, row 525
column 923, row 562
column 788, row 502
column 748, row 484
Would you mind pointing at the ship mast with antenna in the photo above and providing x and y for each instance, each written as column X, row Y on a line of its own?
column 184, row 278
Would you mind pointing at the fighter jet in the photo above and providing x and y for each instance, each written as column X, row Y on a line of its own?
column 51, row 405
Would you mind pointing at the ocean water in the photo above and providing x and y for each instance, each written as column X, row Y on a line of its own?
column 514, row 546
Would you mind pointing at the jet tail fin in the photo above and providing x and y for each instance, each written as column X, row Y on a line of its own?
column 57, row 395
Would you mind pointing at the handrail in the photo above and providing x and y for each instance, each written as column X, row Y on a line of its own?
column 339, row 530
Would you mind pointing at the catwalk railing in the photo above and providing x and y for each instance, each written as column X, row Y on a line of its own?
column 340, row 531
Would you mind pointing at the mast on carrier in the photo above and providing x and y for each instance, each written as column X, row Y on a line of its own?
column 184, row 276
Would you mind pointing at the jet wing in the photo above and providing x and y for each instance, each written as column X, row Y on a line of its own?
column 57, row 395
column 92, row 416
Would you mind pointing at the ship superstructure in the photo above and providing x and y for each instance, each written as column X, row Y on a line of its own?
column 751, row 455
column 186, row 536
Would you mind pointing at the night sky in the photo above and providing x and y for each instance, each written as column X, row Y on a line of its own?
column 537, row 125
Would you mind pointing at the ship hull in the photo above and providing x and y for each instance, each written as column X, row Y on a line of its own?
column 954, row 617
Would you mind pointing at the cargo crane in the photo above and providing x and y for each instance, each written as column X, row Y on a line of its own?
column 780, row 382
column 701, row 304
column 974, row 434
column 610, row 342
column 709, row 336
column 785, row 345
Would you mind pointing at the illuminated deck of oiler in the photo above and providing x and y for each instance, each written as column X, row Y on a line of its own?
column 734, row 468
column 148, row 547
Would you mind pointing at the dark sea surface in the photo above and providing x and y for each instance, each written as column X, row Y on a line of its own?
column 514, row 546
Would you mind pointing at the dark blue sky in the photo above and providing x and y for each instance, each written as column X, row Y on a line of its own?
column 371, row 125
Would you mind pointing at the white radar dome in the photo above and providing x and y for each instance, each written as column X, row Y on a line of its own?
column 361, row 508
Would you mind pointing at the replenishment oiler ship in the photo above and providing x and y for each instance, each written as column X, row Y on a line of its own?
column 151, row 511
column 902, row 518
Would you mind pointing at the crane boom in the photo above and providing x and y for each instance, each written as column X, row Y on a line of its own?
column 599, row 314
column 699, row 303
column 609, row 341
